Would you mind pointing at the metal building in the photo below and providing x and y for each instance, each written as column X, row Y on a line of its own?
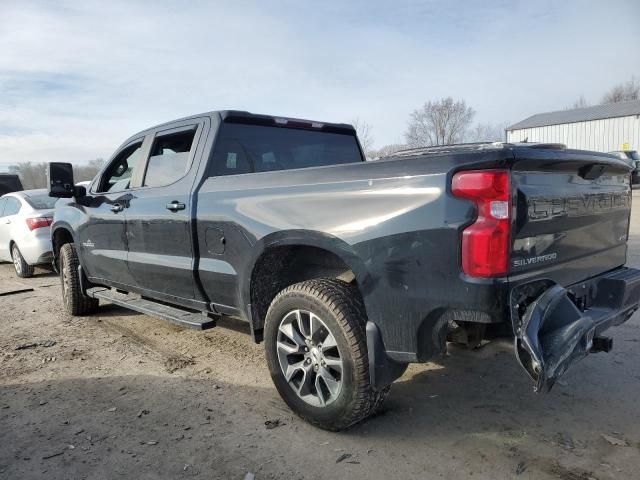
column 602, row 128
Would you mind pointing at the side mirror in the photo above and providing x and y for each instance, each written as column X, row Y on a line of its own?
column 60, row 180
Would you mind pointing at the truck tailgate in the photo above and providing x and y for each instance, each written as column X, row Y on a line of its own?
column 569, row 242
column 571, row 212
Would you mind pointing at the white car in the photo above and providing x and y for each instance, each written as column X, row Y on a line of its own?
column 25, row 228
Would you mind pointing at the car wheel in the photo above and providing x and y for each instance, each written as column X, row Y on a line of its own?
column 74, row 299
column 23, row 269
column 317, row 353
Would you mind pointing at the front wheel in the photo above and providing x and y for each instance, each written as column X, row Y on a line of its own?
column 23, row 269
column 317, row 353
column 74, row 299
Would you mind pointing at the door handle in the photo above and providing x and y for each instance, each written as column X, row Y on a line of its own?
column 117, row 207
column 175, row 206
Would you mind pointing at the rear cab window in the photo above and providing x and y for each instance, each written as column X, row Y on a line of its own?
column 246, row 148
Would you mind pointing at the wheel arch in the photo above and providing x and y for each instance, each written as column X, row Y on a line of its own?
column 13, row 242
column 285, row 258
column 60, row 235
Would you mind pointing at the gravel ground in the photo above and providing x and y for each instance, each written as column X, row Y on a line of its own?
column 122, row 395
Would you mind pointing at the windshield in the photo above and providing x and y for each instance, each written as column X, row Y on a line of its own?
column 633, row 155
column 42, row 201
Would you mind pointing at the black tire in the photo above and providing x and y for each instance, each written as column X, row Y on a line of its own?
column 75, row 301
column 342, row 311
column 22, row 268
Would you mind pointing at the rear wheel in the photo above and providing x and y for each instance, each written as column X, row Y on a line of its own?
column 317, row 353
column 74, row 299
column 23, row 269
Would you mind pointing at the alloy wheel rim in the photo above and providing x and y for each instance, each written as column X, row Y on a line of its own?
column 309, row 358
column 16, row 259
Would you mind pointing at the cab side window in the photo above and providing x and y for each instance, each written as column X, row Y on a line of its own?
column 118, row 175
column 169, row 158
column 12, row 207
column 3, row 201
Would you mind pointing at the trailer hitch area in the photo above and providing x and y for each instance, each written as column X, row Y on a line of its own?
column 551, row 334
column 555, row 327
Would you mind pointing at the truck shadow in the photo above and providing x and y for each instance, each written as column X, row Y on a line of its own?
column 108, row 310
column 42, row 272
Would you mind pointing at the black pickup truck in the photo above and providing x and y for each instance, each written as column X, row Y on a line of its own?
column 9, row 183
column 349, row 270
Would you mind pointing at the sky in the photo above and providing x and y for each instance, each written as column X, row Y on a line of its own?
column 79, row 77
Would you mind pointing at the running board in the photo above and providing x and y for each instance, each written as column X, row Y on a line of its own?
column 153, row 309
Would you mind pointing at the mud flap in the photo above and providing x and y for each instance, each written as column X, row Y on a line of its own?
column 382, row 370
column 551, row 335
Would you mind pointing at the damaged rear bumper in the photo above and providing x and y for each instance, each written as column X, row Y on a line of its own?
column 555, row 326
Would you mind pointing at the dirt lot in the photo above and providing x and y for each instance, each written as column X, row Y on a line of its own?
column 121, row 395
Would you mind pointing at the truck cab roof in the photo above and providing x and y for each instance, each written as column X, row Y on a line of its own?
column 241, row 116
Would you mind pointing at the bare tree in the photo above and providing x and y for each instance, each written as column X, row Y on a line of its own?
column 486, row 132
column 623, row 92
column 387, row 150
column 87, row 172
column 34, row 175
column 443, row 122
column 581, row 102
column 363, row 129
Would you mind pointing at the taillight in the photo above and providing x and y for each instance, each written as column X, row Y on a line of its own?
column 485, row 243
column 38, row 222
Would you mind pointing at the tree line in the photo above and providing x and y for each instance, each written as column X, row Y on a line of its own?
column 448, row 121
column 34, row 175
column 623, row 92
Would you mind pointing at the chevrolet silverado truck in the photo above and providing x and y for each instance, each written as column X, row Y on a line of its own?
column 350, row 270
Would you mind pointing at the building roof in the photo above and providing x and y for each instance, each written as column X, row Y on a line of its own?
column 610, row 110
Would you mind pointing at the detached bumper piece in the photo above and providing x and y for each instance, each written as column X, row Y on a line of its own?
column 555, row 326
